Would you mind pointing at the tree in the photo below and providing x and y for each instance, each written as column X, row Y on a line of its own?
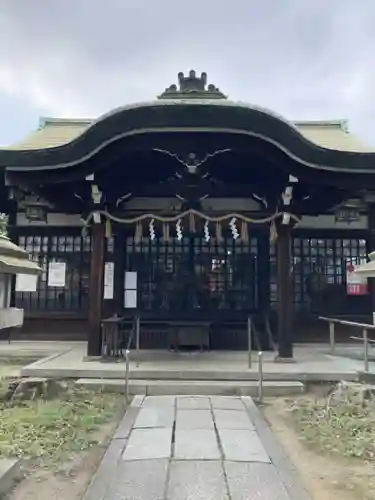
column 3, row 224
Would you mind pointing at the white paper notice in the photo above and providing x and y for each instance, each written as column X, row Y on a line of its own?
column 26, row 282
column 130, row 299
column 56, row 274
column 130, row 280
column 109, row 275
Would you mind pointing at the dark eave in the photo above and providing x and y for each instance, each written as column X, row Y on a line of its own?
column 193, row 115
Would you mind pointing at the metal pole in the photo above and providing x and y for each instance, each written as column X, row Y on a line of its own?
column 137, row 333
column 332, row 336
column 249, row 340
column 365, row 349
column 127, row 371
column 260, row 376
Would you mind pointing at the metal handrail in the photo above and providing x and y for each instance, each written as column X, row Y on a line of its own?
column 366, row 342
column 135, row 330
column 132, row 332
column 269, row 332
column 365, row 327
column 260, row 376
column 249, row 340
column 251, row 330
column 256, row 336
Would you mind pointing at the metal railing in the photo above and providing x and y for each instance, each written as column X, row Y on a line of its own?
column 267, row 324
column 250, row 331
column 249, row 340
column 260, row 376
column 366, row 341
column 134, row 331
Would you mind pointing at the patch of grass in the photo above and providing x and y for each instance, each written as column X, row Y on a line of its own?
column 347, row 429
column 53, row 431
column 18, row 361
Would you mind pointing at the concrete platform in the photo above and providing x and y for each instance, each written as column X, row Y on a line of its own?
column 201, row 387
column 313, row 363
column 35, row 349
column 234, row 456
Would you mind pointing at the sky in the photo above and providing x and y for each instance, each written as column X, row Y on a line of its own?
column 305, row 59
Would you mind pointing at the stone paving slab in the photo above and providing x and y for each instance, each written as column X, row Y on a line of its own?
column 155, row 417
column 254, row 481
column 232, row 419
column 146, row 444
column 99, row 485
column 227, row 403
column 193, row 403
column 194, row 419
column 159, row 401
column 140, row 480
column 197, row 480
column 242, row 446
column 281, row 462
column 196, row 444
column 212, row 448
column 126, row 424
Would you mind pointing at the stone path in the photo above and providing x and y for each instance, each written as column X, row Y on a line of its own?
column 191, row 448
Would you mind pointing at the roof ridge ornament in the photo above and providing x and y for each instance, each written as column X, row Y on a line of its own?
column 192, row 87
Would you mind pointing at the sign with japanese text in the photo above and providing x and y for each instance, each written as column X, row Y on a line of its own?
column 355, row 284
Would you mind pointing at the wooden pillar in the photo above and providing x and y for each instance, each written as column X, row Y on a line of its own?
column 96, row 289
column 119, row 258
column 371, row 248
column 285, row 341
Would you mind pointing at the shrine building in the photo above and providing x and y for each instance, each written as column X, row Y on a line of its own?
column 190, row 208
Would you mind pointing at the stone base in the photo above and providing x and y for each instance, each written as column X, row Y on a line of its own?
column 278, row 359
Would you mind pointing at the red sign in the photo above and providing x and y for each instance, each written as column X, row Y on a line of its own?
column 355, row 284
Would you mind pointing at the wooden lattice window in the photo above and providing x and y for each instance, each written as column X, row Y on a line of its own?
column 75, row 251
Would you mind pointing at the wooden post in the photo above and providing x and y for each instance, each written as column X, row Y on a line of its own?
column 285, row 293
column 96, row 289
column 370, row 248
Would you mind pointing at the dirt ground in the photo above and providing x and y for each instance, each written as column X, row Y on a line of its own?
column 325, row 477
column 69, row 482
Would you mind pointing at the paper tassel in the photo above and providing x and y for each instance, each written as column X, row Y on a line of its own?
column 138, row 232
column 192, row 222
column 244, row 232
column 219, row 232
column 273, row 232
column 166, row 233
column 108, row 228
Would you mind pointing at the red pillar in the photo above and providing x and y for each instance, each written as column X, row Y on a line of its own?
column 96, row 289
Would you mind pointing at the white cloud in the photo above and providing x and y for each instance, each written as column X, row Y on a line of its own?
column 310, row 59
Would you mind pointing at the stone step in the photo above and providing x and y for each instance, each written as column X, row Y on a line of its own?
column 117, row 371
column 271, row 388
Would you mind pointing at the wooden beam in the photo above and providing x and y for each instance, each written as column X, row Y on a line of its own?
column 96, row 289
column 285, row 292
